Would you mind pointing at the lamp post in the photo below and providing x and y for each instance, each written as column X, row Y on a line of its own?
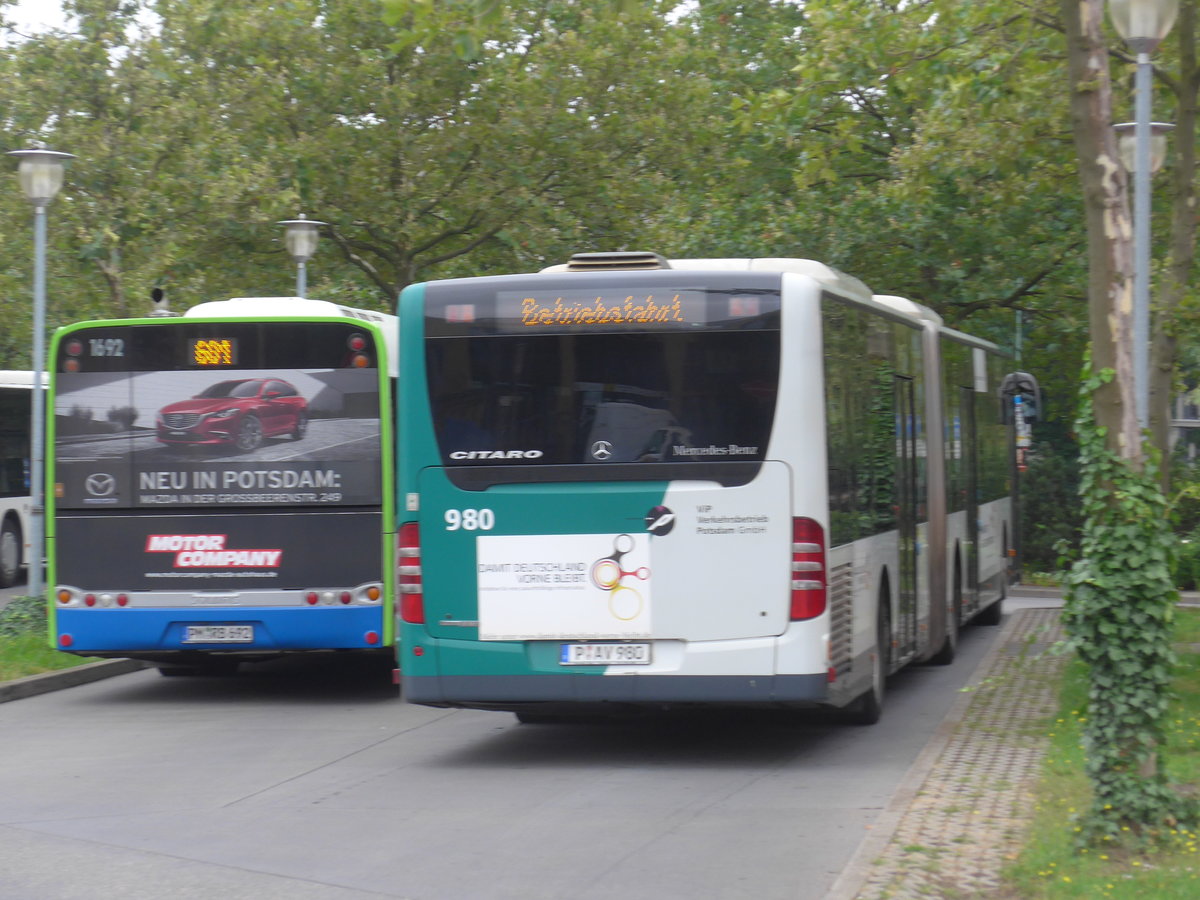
column 40, row 172
column 1127, row 144
column 300, row 236
column 1142, row 24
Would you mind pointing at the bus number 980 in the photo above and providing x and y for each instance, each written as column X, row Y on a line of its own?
column 470, row 519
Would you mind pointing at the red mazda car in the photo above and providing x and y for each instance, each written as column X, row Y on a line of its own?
column 241, row 413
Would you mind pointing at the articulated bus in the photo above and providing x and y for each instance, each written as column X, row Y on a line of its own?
column 16, row 389
column 632, row 483
column 222, row 484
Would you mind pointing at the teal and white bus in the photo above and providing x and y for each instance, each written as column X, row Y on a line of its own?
column 222, row 484
column 632, row 482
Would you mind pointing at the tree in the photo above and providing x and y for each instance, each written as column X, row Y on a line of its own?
column 1121, row 595
column 196, row 135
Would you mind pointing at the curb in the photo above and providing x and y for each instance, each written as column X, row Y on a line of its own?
column 854, row 875
column 46, row 682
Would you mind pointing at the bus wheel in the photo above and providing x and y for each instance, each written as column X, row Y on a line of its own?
column 250, row 434
column 536, row 718
column 868, row 708
column 945, row 656
column 10, row 554
column 991, row 615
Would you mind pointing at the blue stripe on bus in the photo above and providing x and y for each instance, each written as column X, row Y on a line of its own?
column 136, row 630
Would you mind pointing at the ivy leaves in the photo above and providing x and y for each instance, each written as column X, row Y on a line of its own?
column 1120, row 615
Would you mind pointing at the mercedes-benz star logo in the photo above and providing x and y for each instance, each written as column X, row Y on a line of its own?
column 101, row 484
column 601, row 450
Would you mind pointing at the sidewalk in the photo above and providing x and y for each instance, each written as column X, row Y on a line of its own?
column 965, row 804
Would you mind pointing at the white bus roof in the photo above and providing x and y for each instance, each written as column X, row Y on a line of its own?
column 818, row 271
column 299, row 307
column 279, row 307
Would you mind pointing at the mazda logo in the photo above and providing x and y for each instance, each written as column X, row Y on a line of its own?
column 101, row 484
column 602, row 450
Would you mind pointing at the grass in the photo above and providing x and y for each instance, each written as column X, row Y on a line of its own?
column 1051, row 867
column 23, row 641
column 1042, row 579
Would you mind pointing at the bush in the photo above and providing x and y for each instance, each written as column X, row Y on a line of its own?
column 1050, row 511
column 24, row 615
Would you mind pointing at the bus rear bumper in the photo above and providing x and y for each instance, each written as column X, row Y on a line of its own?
column 512, row 691
column 128, row 631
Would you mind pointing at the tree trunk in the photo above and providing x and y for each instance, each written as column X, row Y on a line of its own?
column 1109, row 224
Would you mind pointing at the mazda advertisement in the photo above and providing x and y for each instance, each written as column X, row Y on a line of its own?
column 235, row 438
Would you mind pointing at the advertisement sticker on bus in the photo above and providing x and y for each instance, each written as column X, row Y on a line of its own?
column 563, row 586
column 205, row 439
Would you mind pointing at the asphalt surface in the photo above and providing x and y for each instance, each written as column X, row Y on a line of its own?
column 862, row 822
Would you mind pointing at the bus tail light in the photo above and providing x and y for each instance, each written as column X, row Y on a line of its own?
column 408, row 559
column 808, row 570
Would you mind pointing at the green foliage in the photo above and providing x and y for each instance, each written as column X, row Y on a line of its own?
column 24, row 615
column 1051, row 865
column 24, row 649
column 1185, row 515
column 1049, row 505
column 1119, row 615
column 1186, row 571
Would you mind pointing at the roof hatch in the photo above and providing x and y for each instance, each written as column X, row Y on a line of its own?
column 617, row 260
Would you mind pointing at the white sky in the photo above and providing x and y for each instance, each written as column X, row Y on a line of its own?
column 35, row 15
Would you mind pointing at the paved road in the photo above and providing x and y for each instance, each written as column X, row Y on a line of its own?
column 301, row 779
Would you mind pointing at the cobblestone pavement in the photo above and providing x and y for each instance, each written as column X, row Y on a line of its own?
column 959, row 825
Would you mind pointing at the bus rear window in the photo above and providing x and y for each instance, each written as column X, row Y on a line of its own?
column 698, row 394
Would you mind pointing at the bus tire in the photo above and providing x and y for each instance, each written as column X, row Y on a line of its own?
column 249, row 434
column 992, row 615
column 536, row 718
column 10, row 553
column 945, row 656
column 868, row 708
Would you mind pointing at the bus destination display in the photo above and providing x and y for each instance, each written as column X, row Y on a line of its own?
column 212, row 352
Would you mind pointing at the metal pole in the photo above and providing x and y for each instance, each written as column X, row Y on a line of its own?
column 37, row 490
column 301, row 278
column 1020, row 322
column 1141, row 242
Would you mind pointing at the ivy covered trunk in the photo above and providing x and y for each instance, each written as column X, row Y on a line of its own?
column 1119, row 615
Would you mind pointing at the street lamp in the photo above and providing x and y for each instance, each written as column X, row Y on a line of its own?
column 300, row 236
column 1142, row 24
column 1127, row 144
column 40, row 172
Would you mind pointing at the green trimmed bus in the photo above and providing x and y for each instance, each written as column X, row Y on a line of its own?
column 222, row 484
column 630, row 482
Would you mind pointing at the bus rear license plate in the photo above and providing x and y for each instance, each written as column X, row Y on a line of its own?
column 218, row 634
column 605, row 655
